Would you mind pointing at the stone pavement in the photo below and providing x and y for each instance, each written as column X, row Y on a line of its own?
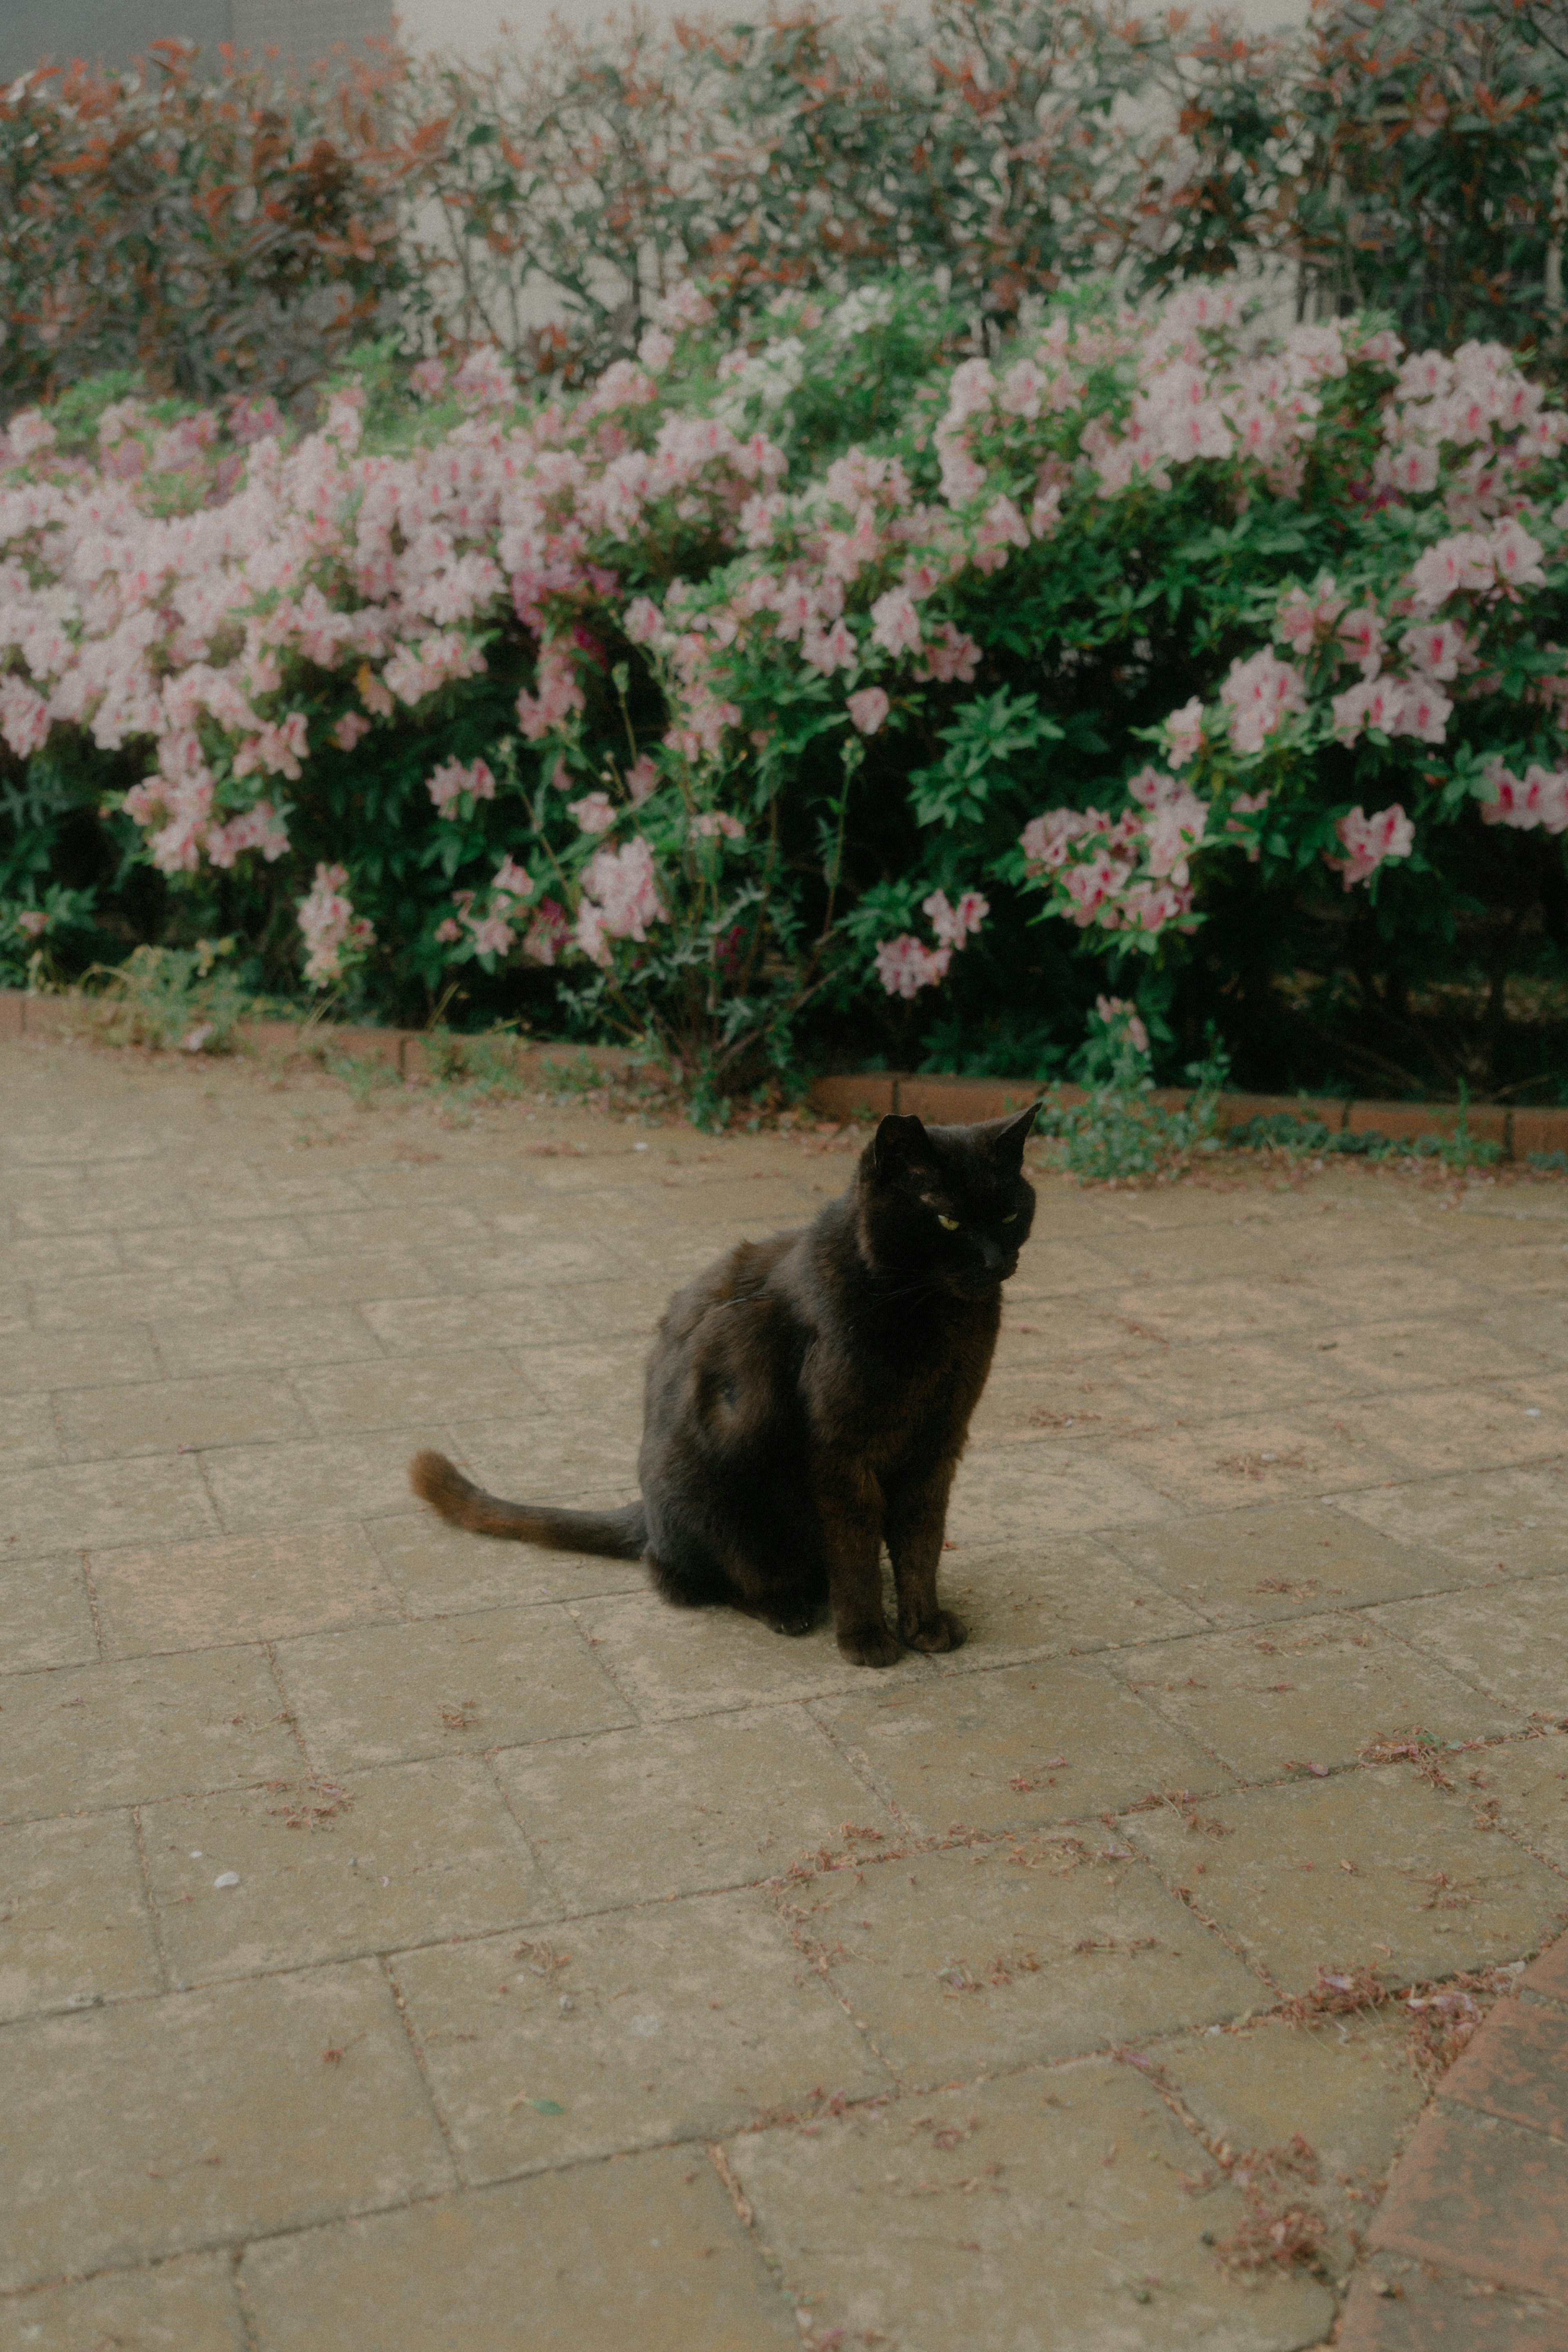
column 412, row 1942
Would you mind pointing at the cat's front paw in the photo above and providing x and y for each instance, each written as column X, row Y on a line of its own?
column 870, row 1645
column 940, row 1631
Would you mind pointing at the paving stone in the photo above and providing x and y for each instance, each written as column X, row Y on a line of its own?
column 1224, row 1377
column 1527, row 1782
column 580, row 1380
column 1430, row 1891
column 384, row 1695
column 194, row 1345
column 1547, row 1976
column 149, row 2128
column 1347, row 2085
column 1397, row 2306
column 75, row 1927
column 1510, row 1639
column 1513, row 1519
column 331, row 1869
column 433, row 1388
column 188, row 1290
column 1312, row 1452
column 439, row 1570
column 547, row 1458
column 1002, row 1954
column 1288, row 1559
column 50, row 1359
column 686, row 2019
column 46, row 1619
column 325, row 1478
column 423, row 1226
column 517, row 1319
column 188, row 2304
column 1464, row 1429
column 1320, row 1690
column 260, row 1240
column 275, row 1284
column 673, row 1662
column 1482, row 2197
column 1517, row 2068
column 68, row 1509
column 164, row 1416
column 680, row 1808
column 1016, row 1601
column 646, row 2251
column 28, row 1437
column 237, row 1589
column 1021, row 1745
column 1029, row 1495
column 927, row 2223
column 126, row 1733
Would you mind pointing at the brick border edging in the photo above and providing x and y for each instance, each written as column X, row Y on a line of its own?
column 876, row 1092
column 1478, row 2201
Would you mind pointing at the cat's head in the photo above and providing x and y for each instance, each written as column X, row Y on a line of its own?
column 950, row 1203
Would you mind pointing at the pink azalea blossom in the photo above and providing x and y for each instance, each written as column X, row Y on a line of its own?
column 869, row 708
column 1112, row 1009
column 348, row 729
column 712, row 824
column 906, row 965
column 595, row 813
column 331, row 929
column 1368, row 841
column 642, row 779
column 1261, row 694
column 1184, row 732
column 452, row 781
column 547, row 934
column 511, row 880
column 954, row 925
column 895, row 622
column 33, row 921
column 1538, row 799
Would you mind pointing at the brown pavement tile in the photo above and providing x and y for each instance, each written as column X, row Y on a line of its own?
column 1200, row 1381
column 307, row 1481
column 672, row 2021
column 331, row 1869
column 547, row 1458
column 47, row 1258
column 188, row 2304
column 1029, row 1495
column 46, row 1619
column 644, row 2252
column 1429, row 1890
column 73, row 1507
column 1547, row 1976
column 1319, row 1691
column 1296, row 1455
column 149, row 2128
column 1454, row 1430
column 583, row 1379
column 1399, row 2306
column 424, row 1226
column 431, row 1390
column 440, row 1570
column 558, row 1260
column 123, row 1734
column 274, row 1285
column 166, row 1416
column 1046, row 1742
column 195, row 1345
column 28, row 1436
column 50, row 1359
column 970, row 1959
column 453, row 1686
column 1511, row 1639
column 1347, row 2085
column 193, row 1291
column 1513, row 1519
column 517, row 1319
column 1037, row 2214
column 237, row 1589
column 1517, row 2067
column 681, row 1808
column 1075, row 1595
column 256, row 1241
column 681, row 1661
column 74, row 1925
column 1482, row 2197
column 1287, row 1560
column 1086, row 1401
column 1388, row 1357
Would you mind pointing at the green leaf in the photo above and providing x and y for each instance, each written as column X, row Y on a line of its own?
column 546, row 2106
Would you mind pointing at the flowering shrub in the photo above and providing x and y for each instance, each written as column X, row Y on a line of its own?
column 778, row 690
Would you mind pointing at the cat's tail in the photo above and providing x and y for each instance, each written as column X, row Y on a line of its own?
column 619, row 1535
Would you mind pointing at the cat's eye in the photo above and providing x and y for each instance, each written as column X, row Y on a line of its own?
column 948, row 1224
column 1011, row 1218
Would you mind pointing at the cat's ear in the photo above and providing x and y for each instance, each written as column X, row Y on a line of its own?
column 899, row 1145
column 1005, row 1139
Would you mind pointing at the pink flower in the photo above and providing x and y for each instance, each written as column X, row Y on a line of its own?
column 1112, row 1009
column 953, row 925
column 1369, row 840
column 642, row 621
column 951, row 655
column 1260, row 694
column 348, row 729
column 451, row 780
column 869, row 708
column 1184, row 732
column 1439, row 648
column 595, row 813
column 1045, row 839
column 331, row 928
column 34, row 921
column 905, row 965
column 1538, row 799
column 1301, row 620
column 428, row 378
column 1362, row 632
column 714, row 822
column 448, row 930
column 492, row 935
column 547, row 934
column 895, row 622
column 620, row 886
column 642, row 779
column 511, row 880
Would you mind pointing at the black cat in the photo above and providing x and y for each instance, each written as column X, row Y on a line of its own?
column 808, row 1397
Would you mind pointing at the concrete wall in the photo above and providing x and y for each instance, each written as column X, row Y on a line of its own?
column 113, row 32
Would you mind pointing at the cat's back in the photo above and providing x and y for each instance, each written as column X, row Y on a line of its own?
column 743, row 1277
